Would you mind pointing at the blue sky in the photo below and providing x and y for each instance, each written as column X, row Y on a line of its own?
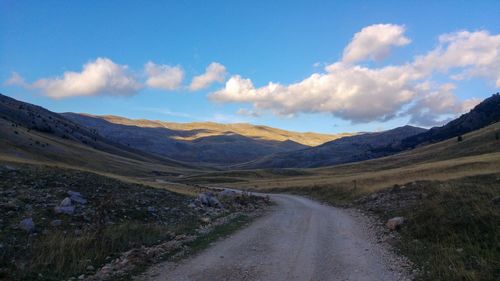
column 284, row 42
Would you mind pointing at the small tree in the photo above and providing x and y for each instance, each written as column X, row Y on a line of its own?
column 459, row 138
column 497, row 135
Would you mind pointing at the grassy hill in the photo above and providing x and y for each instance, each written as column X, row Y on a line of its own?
column 477, row 153
column 33, row 135
column 203, row 142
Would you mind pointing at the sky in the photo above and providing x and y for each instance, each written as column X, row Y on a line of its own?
column 321, row 66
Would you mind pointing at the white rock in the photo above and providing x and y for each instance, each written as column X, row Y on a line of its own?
column 66, row 202
column 395, row 222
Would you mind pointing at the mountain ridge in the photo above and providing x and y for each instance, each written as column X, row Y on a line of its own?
column 200, row 142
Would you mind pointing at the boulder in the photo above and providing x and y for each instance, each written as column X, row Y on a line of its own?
column 203, row 197
column 65, row 202
column 77, row 197
column 395, row 223
column 27, row 225
column 69, row 210
column 208, row 199
column 214, row 202
column 227, row 193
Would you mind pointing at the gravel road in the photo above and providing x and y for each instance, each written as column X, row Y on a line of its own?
column 299, row 240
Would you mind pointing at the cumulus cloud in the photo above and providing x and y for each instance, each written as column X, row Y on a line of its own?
column 361, row 94
column 435, row 102
column 99, row 77
column 215, row 72
column 374, row 42
column 163, row 76
column 344, row 90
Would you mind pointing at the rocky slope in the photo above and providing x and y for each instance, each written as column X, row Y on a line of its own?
column 57, row 223
column 29, row 133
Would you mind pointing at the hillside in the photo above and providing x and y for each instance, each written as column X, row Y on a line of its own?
column 33, row 134
column 344, row 150
column 203, row 142
column 478, row 153
column 484, row 114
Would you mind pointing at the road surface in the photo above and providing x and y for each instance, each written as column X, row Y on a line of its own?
column 299, row 240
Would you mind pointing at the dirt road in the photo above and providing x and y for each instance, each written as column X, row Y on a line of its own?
column 299, row 240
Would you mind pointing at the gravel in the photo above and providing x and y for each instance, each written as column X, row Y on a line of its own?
column 299, row 240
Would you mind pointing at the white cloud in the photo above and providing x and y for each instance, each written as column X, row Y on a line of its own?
column 248, row 113
column 163, row 76
column 16, row 80
column 99, row 77
column 344, row 91
column 360, row 94
column 374, row 42
column 215, row 72
column 434, row 103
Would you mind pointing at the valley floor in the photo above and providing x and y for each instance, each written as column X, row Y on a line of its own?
column 300, row 239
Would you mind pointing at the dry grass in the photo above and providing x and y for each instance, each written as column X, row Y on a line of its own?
column 478, row 153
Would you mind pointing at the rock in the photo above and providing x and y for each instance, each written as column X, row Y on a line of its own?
column 205, row 219
column 395, row 222
column 69, row 210
column 27, row 225
column 81, row 277
column 203, row 197
column 214, row 202
column 151, row 209
column 56, row 222
column 192, row 205
column 10, row 168
column 227, row 193
column 208, row 199
column 77, row 197
column 66, row 202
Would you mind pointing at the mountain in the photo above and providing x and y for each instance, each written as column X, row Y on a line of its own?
column 343, row 150
column 201, row 142
column 32, row 134
column 374, row 145
column 484, row 114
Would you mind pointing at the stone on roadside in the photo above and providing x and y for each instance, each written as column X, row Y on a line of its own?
column 395, row 223
column 27, row 225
